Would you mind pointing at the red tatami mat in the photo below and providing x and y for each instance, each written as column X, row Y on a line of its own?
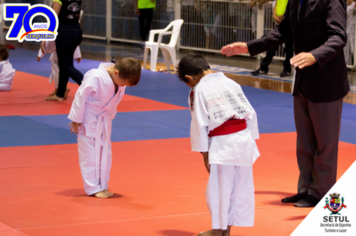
column 28, row 92
column 159, row 187
column 6, row 230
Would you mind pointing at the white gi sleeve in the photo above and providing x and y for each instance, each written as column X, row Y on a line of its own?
column 40, row 54
column 77, row 53
column 87, row 87
column 199, row 124
column 251, row 119
column 252, row 124
column 49, row 48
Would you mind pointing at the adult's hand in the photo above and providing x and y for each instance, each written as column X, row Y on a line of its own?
column 234, row 49
column 276, row 18
column 302, row 60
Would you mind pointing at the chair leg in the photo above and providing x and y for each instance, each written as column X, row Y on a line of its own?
column 145, row 58
column 173, row 57
column 154, row 55
column 166, row 58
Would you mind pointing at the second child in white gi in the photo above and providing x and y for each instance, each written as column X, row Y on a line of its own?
column 7, row 73
column 94, row 107
column 224, row 129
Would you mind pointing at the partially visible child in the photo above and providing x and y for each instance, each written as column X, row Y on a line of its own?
column 51, row 48
column 224, row 129
column 94, row 107
column 7, row 73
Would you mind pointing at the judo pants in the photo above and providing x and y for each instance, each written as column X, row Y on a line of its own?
column 86, row 150
column 55, row 73
column 230, row 196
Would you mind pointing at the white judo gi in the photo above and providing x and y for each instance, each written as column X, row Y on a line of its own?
column 51, row 48
column 7, row 74
column 230, row 190
column 94, row 106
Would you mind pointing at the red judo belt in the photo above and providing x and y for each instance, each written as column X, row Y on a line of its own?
column 229, row 127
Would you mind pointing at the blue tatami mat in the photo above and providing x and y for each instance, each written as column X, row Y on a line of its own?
column 127, row 126
column 168, row 88
column 131, row 126
column 274, row 110
column 25, row 60
column 21, row 131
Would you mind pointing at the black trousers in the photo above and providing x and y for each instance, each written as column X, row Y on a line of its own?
column 66, row 43
column 145, row 19
column 270, row 54
column 318, row 132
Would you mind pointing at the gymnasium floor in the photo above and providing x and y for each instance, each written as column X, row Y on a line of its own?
column 158, row 182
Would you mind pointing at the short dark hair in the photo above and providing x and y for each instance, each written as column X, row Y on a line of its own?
column 129, row 69
column 4, row 52
column 192, row 64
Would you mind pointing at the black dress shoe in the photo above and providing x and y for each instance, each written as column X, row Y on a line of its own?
column 259, row 71
column 285, row 73
column 308, row 201
column 293, row 199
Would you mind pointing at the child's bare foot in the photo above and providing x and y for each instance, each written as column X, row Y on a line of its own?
column 66, row 93
column 54, row 98
column 53, row 93
column 101, row 194
column 108, row 193
column 212, row 232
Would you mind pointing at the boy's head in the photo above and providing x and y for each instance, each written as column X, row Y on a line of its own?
column 192, row 68
column 4, row 52
column 127, row 72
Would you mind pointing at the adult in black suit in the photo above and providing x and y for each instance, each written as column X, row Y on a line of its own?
column 318, row 29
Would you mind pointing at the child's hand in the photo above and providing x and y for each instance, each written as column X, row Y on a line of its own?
column 206, row 160
column 78, row 59
column 74, row 126
column 38, row 59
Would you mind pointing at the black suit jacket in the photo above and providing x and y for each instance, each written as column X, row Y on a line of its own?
column 320, row 30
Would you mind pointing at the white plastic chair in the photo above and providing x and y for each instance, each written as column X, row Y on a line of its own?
column 168, row 50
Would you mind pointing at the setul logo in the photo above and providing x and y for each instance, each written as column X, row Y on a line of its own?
column 335, row 205
column 335, row 222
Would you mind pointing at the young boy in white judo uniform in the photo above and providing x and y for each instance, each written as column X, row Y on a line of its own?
column 7, row 73
column 94, row 107
column 51, row 48
column 224, row 129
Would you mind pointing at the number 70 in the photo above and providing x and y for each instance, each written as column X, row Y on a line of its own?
column 22, row 16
